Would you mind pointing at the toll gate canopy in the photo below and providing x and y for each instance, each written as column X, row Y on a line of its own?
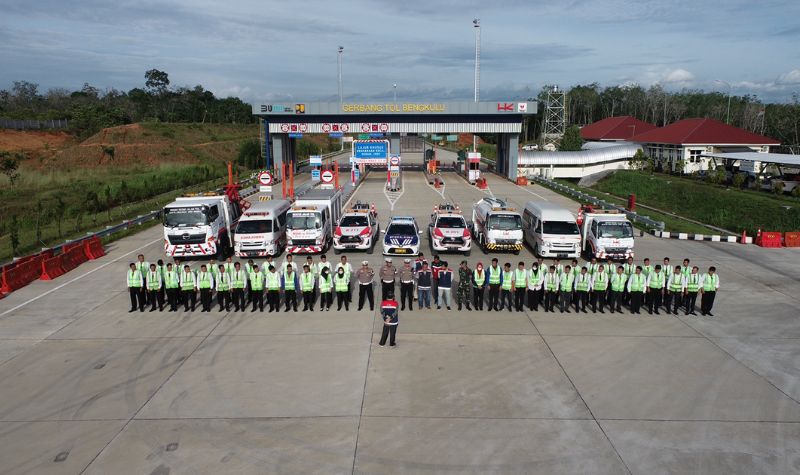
column 283, row 123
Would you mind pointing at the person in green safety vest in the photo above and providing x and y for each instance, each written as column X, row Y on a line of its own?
column 617, row 284
column 520, row 284
column 161, row 293
column 265, row 265
column 667, row 269
column 593, row 266
column 576, row 269
column 495, row 274
column 551, row 282
column 188, row 288
column 135, row 283
column 655, row 283
column 307, row 285
column 223, row 284
column 143, row 267
column 506, row 286
column 205, row 283
column 583, row 287
column 290, row 284
column 238, row 286
column 636, row 289
column 229, row 267
column 311, row 266
column 686, row 269
column 676, row 290
column 213, row 268
column 535, row 284
column 709, row 285
column 273, row 283
column 559, row 267
column 172, row 286
column 647, row 269
column 348, row 269
column 325, row 283
column 630, row 268
column 692, row 288
column 341, row 283
column 599, row 288
column 153, row 280
column 565, row 287
column 256, row 279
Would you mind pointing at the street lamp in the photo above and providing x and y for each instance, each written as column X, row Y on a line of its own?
column 730, row 88
column 394, row 88
column 339, row 73
column 476, row 23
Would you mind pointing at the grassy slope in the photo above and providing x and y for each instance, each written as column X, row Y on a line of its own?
column 715, row 205
column 149, row 158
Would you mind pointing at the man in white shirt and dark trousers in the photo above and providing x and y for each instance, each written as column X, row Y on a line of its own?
column 676, row 287
column 708, row 289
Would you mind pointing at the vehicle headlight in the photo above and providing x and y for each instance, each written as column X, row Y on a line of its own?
column 546, row 244
column 318, row 240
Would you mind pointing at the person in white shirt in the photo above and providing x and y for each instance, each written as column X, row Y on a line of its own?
column 551, row 282
column 348, row 270
column 188, row 288
column 583, row 286
column 676, row 290
column 599, row 288
column 535, row 284
column 655, row 289
column 708, row 289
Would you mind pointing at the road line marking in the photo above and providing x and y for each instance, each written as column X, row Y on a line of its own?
column 161, row 239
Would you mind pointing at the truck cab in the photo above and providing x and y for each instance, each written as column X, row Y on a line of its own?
column 310, row 221
column 261, row 230
column 497, row 226
column 199, row 224
column 607, row 234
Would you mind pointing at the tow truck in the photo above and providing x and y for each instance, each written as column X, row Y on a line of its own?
column 448, row 230
column 605, row 233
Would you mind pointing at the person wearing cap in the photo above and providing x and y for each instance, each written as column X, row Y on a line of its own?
column 307, row 285
column 709, row 285
column 406, row 276
column 654, row 284
column 289, row 284
column 506, row 287
column 387, row 275
column 535, row 282
column 445, row 283
column 365, row 277
column 520, row 284
column 478, row 284
column 424, row 282
column 390, row 318
column 464, row 284
column 495, row 276
column 325, row 283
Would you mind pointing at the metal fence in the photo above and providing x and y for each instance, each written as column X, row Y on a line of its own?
column 586, row 198
column 19, row 124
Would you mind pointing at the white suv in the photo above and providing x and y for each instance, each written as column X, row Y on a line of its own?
column 448, row 230
column 357, row 229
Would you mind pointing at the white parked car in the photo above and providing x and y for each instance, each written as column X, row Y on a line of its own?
column 448, row 230
column 357, row 229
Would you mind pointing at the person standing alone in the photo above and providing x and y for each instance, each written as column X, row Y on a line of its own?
column 390, row 320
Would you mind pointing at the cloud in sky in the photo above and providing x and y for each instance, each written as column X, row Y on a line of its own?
column 262, row 49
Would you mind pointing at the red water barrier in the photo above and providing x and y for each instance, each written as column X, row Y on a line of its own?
column 769, row 239
column 21, row 274
column 52, row 268
column 73, row 257
column 791, row 239
column 93, row 248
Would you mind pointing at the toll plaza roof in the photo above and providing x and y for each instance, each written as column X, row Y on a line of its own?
column 777, row 158
column 395, row 117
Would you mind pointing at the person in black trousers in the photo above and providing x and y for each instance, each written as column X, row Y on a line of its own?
column 390, row 319
column 135, row 283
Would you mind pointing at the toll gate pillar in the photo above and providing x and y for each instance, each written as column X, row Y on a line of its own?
column 394, row 144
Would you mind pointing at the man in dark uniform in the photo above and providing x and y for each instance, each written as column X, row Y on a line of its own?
column 390, row 319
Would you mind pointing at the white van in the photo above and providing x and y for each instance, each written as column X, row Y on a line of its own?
column 262, row 229
column 550, row 230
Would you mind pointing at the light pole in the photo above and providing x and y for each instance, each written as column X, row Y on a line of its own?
column 339, row 73
column 394, row 88
column 476, row 23
column 730, row 88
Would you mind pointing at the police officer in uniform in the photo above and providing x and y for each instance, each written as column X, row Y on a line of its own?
column 406, row 276
column 366, row 278
column 387, row 275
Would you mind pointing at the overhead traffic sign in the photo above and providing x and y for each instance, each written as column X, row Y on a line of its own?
column 371, row 149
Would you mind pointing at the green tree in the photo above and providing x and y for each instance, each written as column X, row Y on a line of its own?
column 92, row 204
column 14, row 234
column 9, row 165
column 249, row 154
column 572, row 140
column 638, row 161
column 60, row 209
column 778, row 186
column 739, row 180
column 108, row 200
column 156, row 81
column 39, row 211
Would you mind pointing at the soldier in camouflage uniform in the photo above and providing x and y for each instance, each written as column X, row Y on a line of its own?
column 464, row 284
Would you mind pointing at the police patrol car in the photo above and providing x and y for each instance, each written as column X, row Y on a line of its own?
column 401, row 236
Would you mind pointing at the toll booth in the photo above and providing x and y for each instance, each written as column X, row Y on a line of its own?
column 393, row 182
column 472, row 167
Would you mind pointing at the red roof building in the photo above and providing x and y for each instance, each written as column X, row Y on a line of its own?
column 615, row 129
column 702, row 132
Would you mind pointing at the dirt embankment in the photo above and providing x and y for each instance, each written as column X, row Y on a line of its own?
column 34, row 142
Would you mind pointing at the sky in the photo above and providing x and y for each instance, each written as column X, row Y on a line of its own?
column 266, row 50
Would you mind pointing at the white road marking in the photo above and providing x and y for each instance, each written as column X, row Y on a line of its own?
column 161, row 239
column 393, row 196
column 440, row 191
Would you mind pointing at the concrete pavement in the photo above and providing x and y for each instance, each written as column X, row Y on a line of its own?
column 91, row 388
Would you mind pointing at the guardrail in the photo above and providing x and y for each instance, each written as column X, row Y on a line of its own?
column 586, row 198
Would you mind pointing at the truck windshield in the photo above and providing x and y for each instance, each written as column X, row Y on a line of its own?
column 194, row 216
column 450, row 222
column 256, row 226
column 354, row 221
column 560, row 227
column 615, row 230
column 303, row 221
column 505, row 222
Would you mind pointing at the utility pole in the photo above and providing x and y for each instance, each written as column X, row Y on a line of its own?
column 394, row 88
column 476, row 23
column 339, row 74
column 730, row 89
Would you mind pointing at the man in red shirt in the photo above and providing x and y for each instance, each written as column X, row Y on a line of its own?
column 390, row 319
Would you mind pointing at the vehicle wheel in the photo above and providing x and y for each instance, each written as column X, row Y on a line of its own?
column 516, row 252
column 483, row 245
column 371, row 247
column 336, row 251
column 468, row 252
column 536, row 250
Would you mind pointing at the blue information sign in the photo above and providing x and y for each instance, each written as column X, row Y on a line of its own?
column 295, row 135
column 315, row 175
column 370, row 149
column 336, row 135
